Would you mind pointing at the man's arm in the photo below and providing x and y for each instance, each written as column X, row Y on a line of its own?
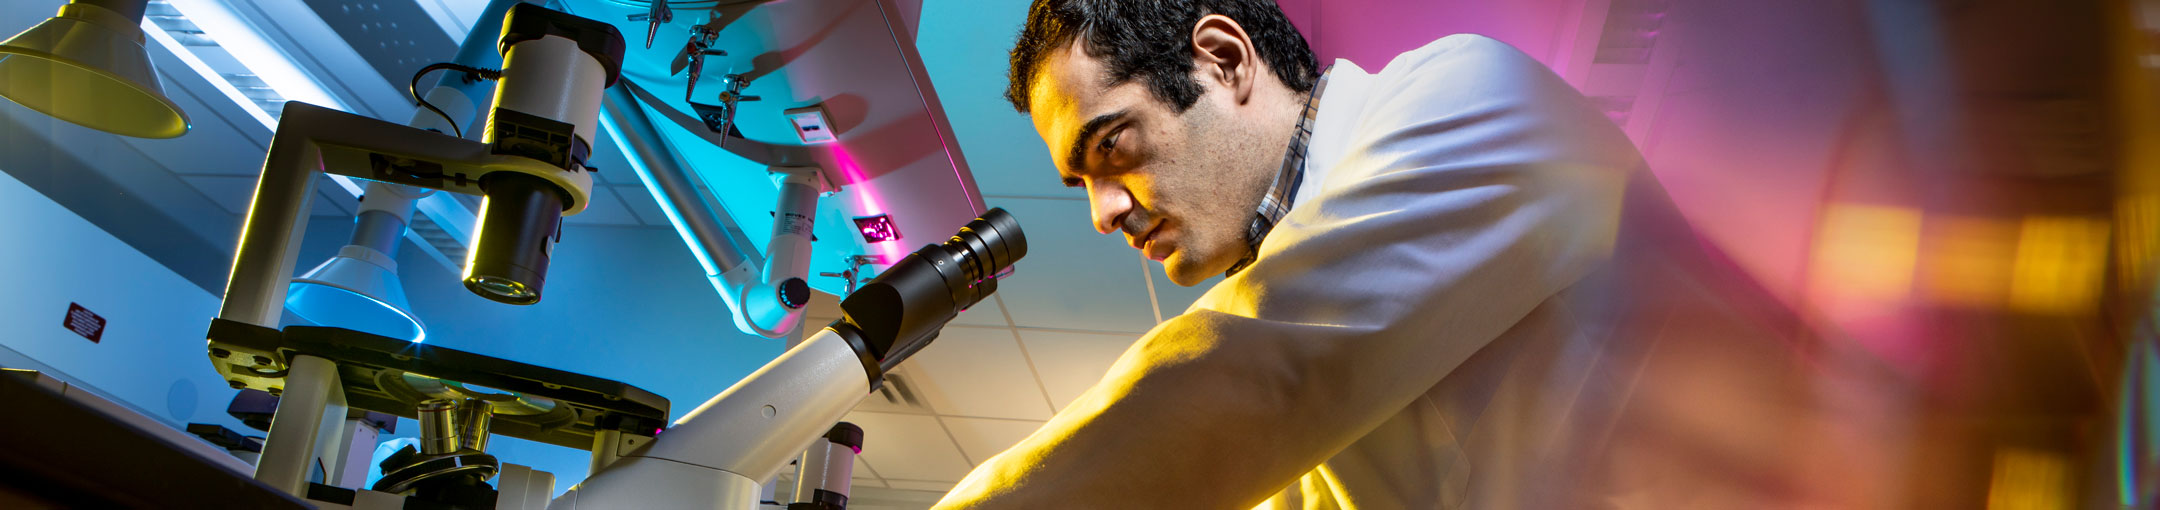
column 1476, row 186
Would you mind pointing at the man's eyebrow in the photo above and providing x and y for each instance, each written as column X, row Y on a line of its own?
column 1080, row 139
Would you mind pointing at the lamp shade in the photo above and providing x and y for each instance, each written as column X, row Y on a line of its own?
column 87, row 66
column 358, row 290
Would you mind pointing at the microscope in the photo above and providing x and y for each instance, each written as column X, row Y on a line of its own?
column 530, row 168
column 714, row 457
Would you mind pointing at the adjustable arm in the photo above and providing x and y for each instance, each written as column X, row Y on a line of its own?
column 767, row 293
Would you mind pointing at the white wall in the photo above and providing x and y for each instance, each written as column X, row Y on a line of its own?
column 151, row 356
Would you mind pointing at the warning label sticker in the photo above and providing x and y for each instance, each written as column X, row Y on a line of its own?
column 794, row 224
column 81, row 321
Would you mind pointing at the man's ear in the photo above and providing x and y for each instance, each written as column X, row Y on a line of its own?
column 1223, row 54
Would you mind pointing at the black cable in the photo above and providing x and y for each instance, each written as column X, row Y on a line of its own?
column 471, row 74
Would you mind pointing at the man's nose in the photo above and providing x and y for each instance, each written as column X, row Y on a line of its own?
column 1108, row 204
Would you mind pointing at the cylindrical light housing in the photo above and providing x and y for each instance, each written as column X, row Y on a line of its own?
column 520, row 221
column 546, row 110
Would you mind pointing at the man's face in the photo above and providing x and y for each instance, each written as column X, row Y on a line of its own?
column 1181, row 186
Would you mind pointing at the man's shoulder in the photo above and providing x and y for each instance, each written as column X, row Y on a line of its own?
column 1462, row 81
column 1465, row 43
column 1465, row 101
column 1461, row 59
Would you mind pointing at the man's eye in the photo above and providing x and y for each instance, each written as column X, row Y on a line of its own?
column 1110, row 142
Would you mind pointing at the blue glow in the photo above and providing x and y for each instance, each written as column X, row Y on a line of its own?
column 331, row 306
column 674, row 216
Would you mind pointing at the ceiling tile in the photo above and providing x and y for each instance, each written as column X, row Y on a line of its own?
column 606, row 209
column 222, row 139
column 824, row 308
column 898, row 396
column 918, row 485
column 232, row 193
column 861, row 476
column 640, row 202
column 822, row 305
column 235, row 193
column 968, row 62
column 234, row 153
column 610, row 165
column 896, row 499
column 986, row 313
column 1070, row 363
column 1175, row 299
column 864, row 475
column 331, row 200
column 981, row 438
column 1072, row 278
column 975, row 371
column 857, row 482
column 326, row 204
column 909, row 447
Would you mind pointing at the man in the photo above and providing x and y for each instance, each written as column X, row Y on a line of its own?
column 1444, row 283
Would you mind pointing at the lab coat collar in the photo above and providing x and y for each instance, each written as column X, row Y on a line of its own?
column 1340, row 107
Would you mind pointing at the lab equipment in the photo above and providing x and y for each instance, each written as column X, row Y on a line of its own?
column 766, row 295
column 63, row 442
column 86, row 65
column 823, row 472
column 715, row 456
column 547, row 106
column 656, row 15
column 693, row 55
column 359, row 288
column 530, row 165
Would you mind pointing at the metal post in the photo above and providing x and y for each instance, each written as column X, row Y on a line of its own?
column 289, row 449
column 607, row 447
column 263, row 263
column 822, row 479
column 656, row 164
column 357, row 454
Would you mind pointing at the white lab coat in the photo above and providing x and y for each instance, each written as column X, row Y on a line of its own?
column 1483, row 244
column 1481, row 299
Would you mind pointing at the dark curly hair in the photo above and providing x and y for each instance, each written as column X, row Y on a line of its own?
column 1148, row 39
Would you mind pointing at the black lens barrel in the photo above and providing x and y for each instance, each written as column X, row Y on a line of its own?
column 519, row 223
column 901, row 310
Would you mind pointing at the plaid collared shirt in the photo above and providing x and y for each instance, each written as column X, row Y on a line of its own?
column 1283, row 191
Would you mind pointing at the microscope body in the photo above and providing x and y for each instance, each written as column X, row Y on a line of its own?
column 715, row 456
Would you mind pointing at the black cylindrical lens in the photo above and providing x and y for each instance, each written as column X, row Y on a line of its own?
column 998, row 229
column 898, row 312
column 519, row 223
column 985, row 247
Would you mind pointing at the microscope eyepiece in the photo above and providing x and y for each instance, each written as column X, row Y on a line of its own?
column 984, row 248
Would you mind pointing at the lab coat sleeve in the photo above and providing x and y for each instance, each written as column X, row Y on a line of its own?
column 1474, row 186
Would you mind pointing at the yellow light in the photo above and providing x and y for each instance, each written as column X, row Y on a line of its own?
column 2028, row 479
column 2139, row 247
column 2060, row 263
column 1968, row 261
column 470, row 253
column 1864, row 254
column 87, row 66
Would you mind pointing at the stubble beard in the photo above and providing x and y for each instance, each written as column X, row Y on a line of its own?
column 1221, row 198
